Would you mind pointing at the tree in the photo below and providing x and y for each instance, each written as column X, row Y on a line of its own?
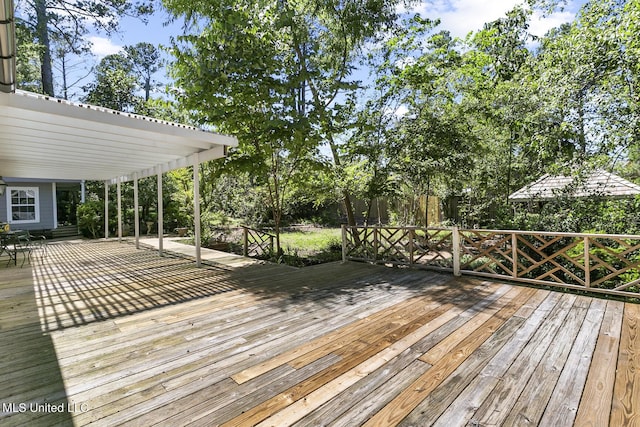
column 288, row 59
column 70, row 20
column 114, row 86
column 145, row 62
column 424, row 128
column 28, row 59
column 66, row 61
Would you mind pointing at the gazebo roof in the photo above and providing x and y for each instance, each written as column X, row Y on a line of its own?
column 599, row 182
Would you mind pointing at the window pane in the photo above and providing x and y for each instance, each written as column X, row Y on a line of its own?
column 23, row 213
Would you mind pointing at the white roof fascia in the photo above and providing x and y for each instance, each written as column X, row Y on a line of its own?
column 203, row 156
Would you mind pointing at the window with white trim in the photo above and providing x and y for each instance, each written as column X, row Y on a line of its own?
column 23, row 205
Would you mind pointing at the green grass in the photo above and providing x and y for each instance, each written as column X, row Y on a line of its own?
column 309, row 247
column 316, row 240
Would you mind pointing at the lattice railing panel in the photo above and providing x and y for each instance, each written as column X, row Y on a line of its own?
column 614, row 262
column 433, row 247
column 398, row 245
column 486, row 252
column 257, row 243
column 358, row 244
column 393, row 245
column 601, row 263
column 557, row 259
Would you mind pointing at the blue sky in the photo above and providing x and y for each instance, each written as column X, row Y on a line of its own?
column 458, row 16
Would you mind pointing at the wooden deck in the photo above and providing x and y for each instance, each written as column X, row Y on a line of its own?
column 123, row 337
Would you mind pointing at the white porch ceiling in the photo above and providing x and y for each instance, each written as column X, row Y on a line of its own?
column 42, row 137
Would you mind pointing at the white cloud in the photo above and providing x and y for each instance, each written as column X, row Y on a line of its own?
column 463, row 16
column 539, row 25
column 101, row 46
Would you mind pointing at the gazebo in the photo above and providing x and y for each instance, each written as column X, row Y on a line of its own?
column 597, row 183
column 48, row 138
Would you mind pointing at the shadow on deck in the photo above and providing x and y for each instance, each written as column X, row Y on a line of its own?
column 132, row 338
column 80, row 283
column 32, row 389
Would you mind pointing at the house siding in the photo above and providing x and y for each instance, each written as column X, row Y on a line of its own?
column 46, row 205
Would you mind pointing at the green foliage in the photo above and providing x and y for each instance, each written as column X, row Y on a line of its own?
column 303, row 248
column 28, row 59
column 91, row 218
column 115, row 85
column 469, row 120
column 567, row 214
column 145, row 62
column 277, row 75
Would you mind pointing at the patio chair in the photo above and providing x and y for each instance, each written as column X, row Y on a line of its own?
column 22, row 242
column 37, row 243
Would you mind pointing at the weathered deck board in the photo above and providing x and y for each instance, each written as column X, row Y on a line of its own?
column 134, row 339
column 626, row 400
column 595, row 405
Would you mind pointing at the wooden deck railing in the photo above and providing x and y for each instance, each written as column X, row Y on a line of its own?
column 602, row 263
column 257, row 243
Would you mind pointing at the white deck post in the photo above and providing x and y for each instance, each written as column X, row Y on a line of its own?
column 54, row 192
column 160, row 213
column 196, row 208
column 119, row 192
column 344, row 243
column 136, row 209
column 106, row 209
column 455, row 247
column 587, row 263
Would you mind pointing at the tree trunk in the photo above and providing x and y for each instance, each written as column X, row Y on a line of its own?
column 346, row 197
column 65, row 89
column 42, row 33
column 147, row 88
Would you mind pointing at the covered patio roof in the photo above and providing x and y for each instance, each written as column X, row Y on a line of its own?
column 42, row 137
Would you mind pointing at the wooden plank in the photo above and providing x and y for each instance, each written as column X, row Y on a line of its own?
column 173, row 337
column 625, row 409
column 337, row 386
column 595, row 405
column 353, row 354
column 185, row 376
column 356, row 352
column 518, row 328
column 318, row 397
column 358, row 414
column 331, row 342
column 357, row 399
column 476, row 319
column 548, row 348
column 565, row 399
column 434, row 404
column 540, row 328
column 409, row 398
column 259, row 412
column 189, row 367
column 209, row 405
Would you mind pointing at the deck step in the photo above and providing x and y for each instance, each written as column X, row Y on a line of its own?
column 65, row 231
